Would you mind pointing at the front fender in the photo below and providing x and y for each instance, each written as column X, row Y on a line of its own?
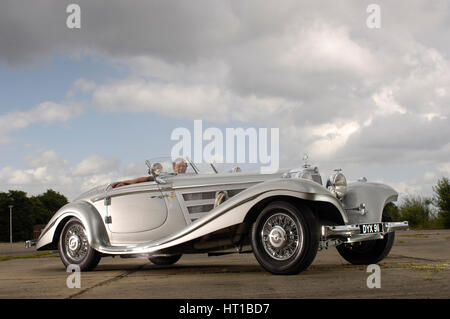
column 297, row 188
column 87, row 214
column 373, row 195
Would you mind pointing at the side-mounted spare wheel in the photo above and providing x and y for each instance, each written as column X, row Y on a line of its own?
column 74, row 248
column 371, row 251
column 285, row 238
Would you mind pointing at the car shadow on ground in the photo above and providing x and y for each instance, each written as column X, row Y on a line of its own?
column 181, row 268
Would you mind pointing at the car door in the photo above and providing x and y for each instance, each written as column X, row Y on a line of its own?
column 136, row 208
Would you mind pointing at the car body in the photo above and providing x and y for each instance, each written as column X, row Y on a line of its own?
column 284, row 218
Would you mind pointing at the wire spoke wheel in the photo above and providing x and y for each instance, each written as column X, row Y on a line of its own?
column 285, row 237
column 74, row 247
column 76, row 242
column 280, row 236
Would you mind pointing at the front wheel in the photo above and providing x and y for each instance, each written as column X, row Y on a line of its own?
column 285, row 238
column 164, row 260
column 74, row 248
column 368, row 252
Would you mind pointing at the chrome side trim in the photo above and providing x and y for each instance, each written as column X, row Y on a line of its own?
column 217, row 184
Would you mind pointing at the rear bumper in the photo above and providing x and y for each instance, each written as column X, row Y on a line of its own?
column 30, row 243
column 352, row 233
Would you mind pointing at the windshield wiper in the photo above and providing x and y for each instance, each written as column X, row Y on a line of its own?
column 194, row 167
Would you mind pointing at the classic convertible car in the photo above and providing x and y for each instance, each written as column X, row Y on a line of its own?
column 283, row 218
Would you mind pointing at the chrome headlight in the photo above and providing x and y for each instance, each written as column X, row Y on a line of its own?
column 337, row 184
column 156, row 169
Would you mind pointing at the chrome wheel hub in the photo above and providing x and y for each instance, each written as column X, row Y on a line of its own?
column 281, row 237
column 76, row 242
column 277, row 237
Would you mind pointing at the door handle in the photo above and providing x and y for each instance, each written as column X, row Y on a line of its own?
column 159, row 196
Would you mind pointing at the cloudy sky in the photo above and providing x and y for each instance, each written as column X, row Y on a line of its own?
column 82, row 107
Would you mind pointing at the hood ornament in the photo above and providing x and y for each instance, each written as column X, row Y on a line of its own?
column 305, row 159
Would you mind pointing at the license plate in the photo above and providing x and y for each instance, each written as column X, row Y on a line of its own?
column 371, row 228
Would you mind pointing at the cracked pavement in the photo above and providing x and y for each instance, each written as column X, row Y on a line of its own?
column 417, row 267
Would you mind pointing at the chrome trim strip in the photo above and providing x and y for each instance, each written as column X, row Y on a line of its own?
column 217, row 184
column 197, row 215
column 128, row 190
column 199, row 202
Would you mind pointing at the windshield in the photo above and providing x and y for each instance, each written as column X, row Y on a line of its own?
column 170, row 168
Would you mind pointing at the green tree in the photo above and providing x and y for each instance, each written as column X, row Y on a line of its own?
column 27, row 212
column 393, row 211
column 416, row 211
column 46, row 205
column 22, row 220
column 442, row 200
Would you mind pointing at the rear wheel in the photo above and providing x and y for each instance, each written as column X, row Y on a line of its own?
column 368, row 252
column 164, row 260
column 285, row 238
column 74, row 248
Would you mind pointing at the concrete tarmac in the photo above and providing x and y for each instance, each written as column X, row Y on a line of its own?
column 417, row 267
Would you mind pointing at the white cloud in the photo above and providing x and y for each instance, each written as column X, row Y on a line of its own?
column 186, row 101
column 82, row 86
column 49, row 170
column 326, row 48
column 332, row 137
column 444, row 168
column 386, row 102
column 174, row 100
column 46, row 112
column 94, row 165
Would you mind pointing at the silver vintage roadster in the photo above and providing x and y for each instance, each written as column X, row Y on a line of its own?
column 283, row 218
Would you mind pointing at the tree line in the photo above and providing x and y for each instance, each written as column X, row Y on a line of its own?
column 425, row 212
column 27, row 212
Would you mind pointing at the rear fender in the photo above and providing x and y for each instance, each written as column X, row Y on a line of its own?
column 87, row 214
